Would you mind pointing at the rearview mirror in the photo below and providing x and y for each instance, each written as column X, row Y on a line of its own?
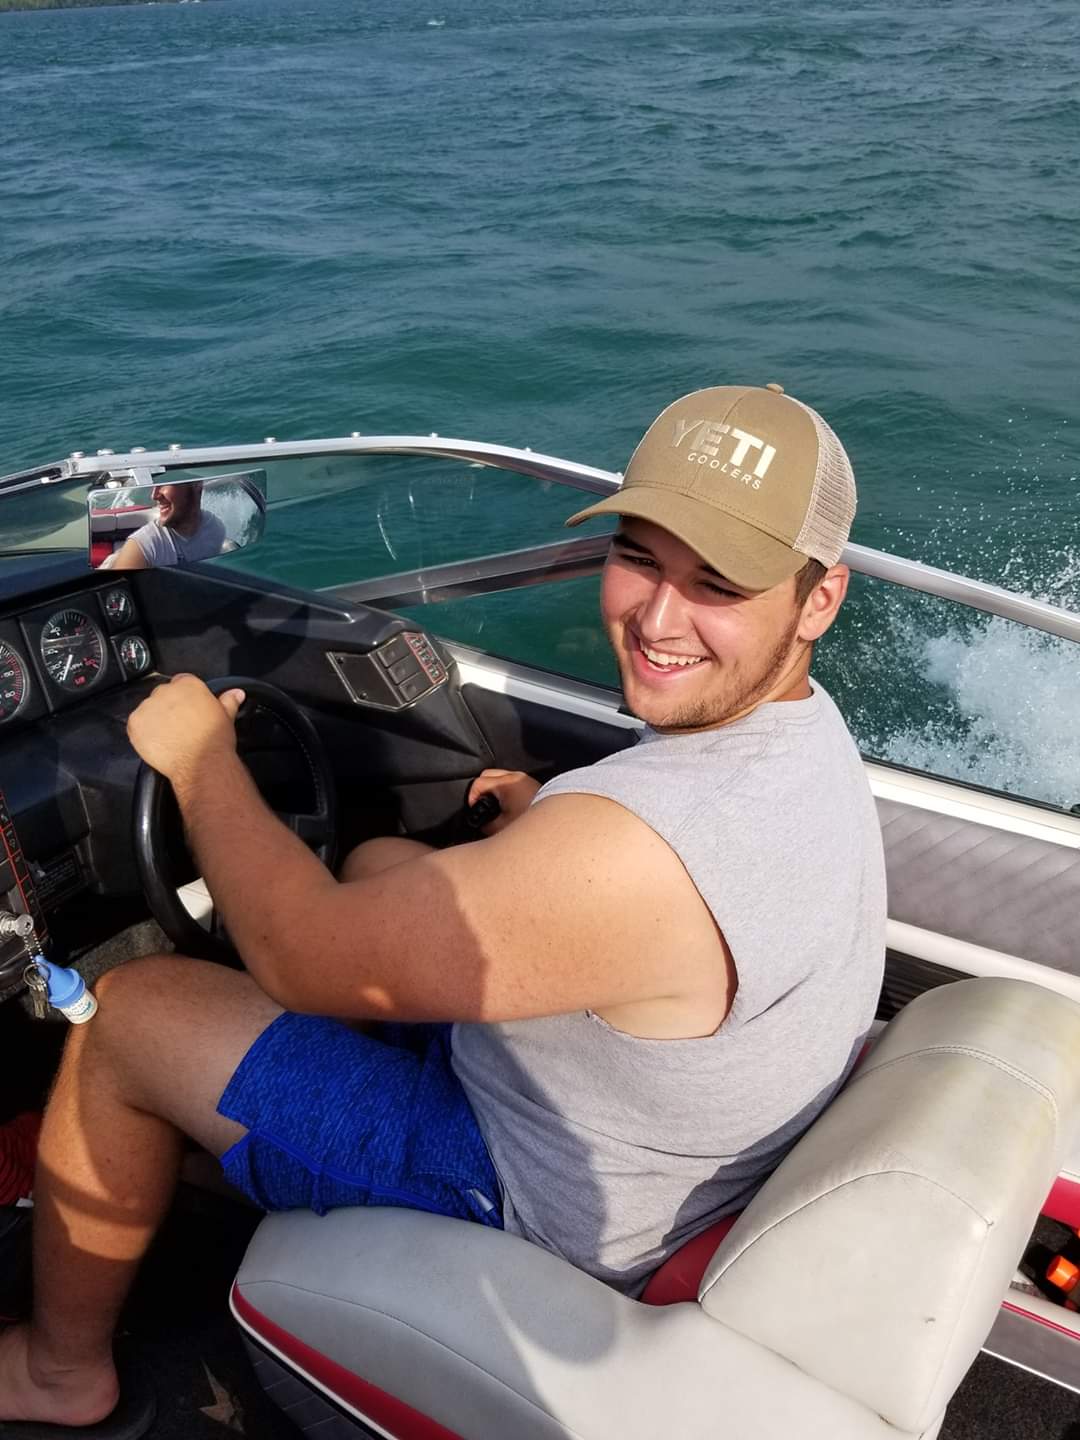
column 140, row 527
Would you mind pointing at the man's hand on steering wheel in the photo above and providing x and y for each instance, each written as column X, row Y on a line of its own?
column 185, row 732
column 181, row 724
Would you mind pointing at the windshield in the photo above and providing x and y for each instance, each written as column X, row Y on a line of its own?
column 44, row 518
column 368, row 505
column 917, row 677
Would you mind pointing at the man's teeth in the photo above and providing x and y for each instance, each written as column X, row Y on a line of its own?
column 659, row 658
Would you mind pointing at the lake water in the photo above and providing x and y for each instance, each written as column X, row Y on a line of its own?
column 530, row 224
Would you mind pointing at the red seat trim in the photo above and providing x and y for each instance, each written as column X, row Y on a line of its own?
column 680, row 1275
column 367, row 1401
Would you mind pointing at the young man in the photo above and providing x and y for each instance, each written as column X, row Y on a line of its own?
column 658, row 974
column 182, row 532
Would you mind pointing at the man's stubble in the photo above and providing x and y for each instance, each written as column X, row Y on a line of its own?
column 742, row 693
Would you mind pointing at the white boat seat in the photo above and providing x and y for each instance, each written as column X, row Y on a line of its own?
column 846, row 1303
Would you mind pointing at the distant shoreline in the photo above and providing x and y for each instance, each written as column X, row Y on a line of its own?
column 81, row 4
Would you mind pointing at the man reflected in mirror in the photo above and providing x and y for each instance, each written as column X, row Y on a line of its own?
column 182, row 531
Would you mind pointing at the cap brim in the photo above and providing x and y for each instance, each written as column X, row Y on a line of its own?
column 746, row 556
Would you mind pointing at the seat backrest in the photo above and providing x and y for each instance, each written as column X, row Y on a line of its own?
column 679, row 1278
column 875, row 1258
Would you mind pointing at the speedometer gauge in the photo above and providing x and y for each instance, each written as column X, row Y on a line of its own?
column 72, row 650
column 14, row 682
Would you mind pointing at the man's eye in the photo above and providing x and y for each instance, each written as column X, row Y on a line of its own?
column 715, row 589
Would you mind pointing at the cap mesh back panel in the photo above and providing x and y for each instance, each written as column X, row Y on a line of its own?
column 831, row 510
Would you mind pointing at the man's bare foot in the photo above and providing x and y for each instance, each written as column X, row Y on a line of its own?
column 34, row 1389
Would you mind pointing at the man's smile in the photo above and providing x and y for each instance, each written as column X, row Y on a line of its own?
column 660, row 657
column 650, row 661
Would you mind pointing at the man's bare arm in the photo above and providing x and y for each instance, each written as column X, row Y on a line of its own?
column 130, row 556
column 577, row 905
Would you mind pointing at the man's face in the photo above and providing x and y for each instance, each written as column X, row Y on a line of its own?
column 693, row 651
column 177, row 504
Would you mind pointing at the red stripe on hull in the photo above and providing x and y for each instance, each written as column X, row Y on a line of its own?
column 1038, row 1319
column 387, row 1411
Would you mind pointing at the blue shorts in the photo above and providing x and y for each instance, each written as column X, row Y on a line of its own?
column 336, row 1117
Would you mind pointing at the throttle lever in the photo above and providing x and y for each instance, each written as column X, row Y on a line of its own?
column 483, row 811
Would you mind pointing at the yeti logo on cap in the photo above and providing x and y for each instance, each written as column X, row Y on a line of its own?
column 709, row 435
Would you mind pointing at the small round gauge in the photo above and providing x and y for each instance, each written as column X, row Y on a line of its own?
column 118, row 608
column 73, row 650
column 14, row 683
column 135, row 653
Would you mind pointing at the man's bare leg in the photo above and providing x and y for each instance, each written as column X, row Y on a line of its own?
column 148, row 1069
column 382, row 853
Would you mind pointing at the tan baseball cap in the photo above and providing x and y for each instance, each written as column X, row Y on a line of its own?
column 751, row 479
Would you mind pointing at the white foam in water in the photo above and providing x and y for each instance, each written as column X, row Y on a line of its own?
column 1016, row 697
column 234, row 507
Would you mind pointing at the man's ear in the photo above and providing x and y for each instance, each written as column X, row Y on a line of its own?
column 820, row 607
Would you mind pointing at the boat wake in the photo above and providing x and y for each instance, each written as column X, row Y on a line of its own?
column 994, row 703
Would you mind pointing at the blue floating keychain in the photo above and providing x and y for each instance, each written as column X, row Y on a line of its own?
column 66, row 991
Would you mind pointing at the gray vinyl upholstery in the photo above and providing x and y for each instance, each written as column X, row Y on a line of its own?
column 899, row 1220
column 495, row 1338
column 847, row 1302
column 1012, row 893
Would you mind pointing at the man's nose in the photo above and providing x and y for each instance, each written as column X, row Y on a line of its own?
column 665, row 614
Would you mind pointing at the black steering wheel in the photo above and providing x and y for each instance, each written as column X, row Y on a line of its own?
column 156, row 818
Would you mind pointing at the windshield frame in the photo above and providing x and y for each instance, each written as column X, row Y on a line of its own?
column 142, row 466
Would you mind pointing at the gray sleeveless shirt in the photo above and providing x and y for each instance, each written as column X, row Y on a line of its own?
column 613, row 1150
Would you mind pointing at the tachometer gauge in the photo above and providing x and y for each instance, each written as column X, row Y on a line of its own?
column 14, row 682
column 118, row 608
column 72, row 650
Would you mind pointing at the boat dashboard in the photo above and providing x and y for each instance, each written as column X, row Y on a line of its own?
column 79, row 652
column 58, row 654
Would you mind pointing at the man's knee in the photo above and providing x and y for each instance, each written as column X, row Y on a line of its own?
column 128, row 993
column 169, row 1033
column 160, row 1008
column 146, row 972
column 121, row 991
column 123, row 1034
column 382, row 853
column 117, row 1044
